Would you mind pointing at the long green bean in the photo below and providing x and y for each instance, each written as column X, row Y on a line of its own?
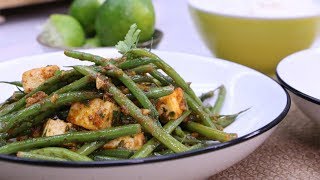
column 15, row 83
column 86, row 136
column 205, row 118
column 148, row 68
column 141, row 78
column 215, row 110
column 156, row 92
column 118, row 153
column 105, row 158
column 61, row 153
column 148, row 147
column 226, row 120
column 89, row 147
column 31, row 155
column 210, row 132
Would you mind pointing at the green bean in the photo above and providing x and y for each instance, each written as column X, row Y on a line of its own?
column 156, row 92
column 143, row 69
column 148, row 147
column 125, row 79
column 61, row 153
column 105, row 158
column 135, row 63
column 169, row 151
column 144, row 61
column 16, row 96
column 10, row 120
column 168, row 70
column 206, row 95
column 210, row 132
column 219, row 102
column 157, row 75
column 29, row 124
column 141, row 78
column 76, row 85
column 188, row 140
column 15, row 83
column 147, row 123
column 31, row 155
column 118, row 153
column 86, row 136
column 87, row 57
column 89, row 147
column 205, row 118
column 43, row 87
column 179, row 132
column 226, row 120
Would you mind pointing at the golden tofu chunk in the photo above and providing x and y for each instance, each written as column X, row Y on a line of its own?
column 37, row 97
column 56, row 127
column 134, row 142
column 93, row 115
column 33, row 78
column 171, row 107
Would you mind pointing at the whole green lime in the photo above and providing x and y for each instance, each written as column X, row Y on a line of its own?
column 115, row 17
column 92, row 42
column 85, row 12
column 62, row 31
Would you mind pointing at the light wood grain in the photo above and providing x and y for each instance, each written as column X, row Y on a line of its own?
column 6, row 4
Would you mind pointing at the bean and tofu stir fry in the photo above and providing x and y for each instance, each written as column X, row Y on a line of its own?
column 134, row 106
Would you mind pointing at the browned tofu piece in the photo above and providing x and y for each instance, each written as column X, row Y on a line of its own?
column 38, row 96
column 134, row 142
column 93, row 115
column 171, row 107
column 33, row 78
column 56, row 127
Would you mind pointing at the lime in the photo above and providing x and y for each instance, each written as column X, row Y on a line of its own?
column 85, row 12
column 92, row 42
column 62, row 31
column 115, row 17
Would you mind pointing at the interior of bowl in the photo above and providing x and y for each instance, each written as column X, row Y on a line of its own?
column 246, row 88
column 260, row 9
column 299, row 73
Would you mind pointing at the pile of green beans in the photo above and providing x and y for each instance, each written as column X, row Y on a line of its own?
column 120, row 80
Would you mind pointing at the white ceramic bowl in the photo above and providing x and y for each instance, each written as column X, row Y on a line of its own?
column 299, row 73
column 246, row 88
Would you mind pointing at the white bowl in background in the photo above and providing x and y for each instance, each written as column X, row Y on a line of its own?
column 300, row 73
column 269, row 104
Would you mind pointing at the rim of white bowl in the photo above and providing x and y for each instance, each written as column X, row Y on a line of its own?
column 117, row 163
column 196, row 4
column 291, row 88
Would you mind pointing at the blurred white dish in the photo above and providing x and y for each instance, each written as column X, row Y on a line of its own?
column 245, row 88
column 299, row 73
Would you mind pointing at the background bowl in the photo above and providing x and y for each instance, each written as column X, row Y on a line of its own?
column 245, row 88
column 153, row 43
column 257, row 42
column 299, row 73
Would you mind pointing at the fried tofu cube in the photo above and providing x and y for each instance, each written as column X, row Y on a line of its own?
column 93, row 115
column 134, row 142
column 56, row 127
column 37, row 97
column 31, row 79
column 171, row 107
